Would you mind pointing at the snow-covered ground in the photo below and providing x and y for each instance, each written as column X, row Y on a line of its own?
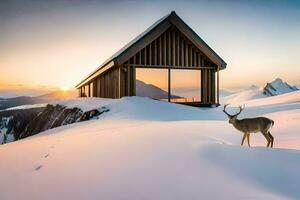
column 147, row 149
column 245, row 95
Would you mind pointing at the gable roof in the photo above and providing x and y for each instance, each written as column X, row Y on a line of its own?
column 148, row 36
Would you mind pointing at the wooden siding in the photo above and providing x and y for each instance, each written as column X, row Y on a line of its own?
column 106, row 85
column 170, row 50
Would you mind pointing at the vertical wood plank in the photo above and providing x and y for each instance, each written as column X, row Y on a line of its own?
column 209, row 84
column 173, row 49
column 165, row 48
column 204, row 82
column 133, row 81
column 169, row 84
column 160, row 51
column 218, row 87
column 182, row 52
column 128, row 81
column 186, row 54
column 150, row 54
column 178, row 50
column 145, row 55
column 155, row 53
column 194, row 57
column 169, row 48
column 119, row 82
column 190, row 55
column 213, row 85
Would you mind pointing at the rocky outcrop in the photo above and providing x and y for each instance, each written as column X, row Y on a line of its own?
column 14, row 122
column 27, row 122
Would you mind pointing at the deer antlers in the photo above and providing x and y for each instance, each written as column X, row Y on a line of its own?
column 224, row 110
column 240, row 107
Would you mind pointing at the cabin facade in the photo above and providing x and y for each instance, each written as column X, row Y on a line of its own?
column 168, row 44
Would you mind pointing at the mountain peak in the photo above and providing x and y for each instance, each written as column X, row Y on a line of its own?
column 277, row 87
column 277, row 80
column 253, row 87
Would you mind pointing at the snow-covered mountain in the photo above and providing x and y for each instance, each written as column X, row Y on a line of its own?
column 277, row 87
column 148, row 90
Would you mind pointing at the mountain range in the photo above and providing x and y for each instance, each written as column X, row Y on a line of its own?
column 23, row 100
column 148, row 90
column 276, row 87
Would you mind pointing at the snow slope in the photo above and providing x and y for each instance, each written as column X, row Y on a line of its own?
column 245, row 95
column 147, row 149
column 275, row 88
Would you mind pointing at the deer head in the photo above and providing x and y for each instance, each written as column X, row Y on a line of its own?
column 232, row 118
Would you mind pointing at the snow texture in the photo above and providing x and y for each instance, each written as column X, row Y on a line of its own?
column 148, row 149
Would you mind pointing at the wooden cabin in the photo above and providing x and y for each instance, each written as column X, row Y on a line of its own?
column 168, row 44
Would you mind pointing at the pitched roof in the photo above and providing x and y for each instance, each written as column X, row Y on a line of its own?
column 158, row 27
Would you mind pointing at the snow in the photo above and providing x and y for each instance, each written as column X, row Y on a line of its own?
column 39, row 105
column 85, row 104
column 245, row 95
column 148, row 149
column 288, row 98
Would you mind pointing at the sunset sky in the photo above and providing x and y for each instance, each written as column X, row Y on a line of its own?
column 50, row 45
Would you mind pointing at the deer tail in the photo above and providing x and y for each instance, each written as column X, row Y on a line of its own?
column 272, row 123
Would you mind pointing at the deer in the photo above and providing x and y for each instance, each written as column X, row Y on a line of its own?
column 251, row 125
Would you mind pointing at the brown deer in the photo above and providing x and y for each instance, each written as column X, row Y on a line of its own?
column 251, row 125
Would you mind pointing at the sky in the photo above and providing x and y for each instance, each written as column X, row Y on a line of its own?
column 50, row 45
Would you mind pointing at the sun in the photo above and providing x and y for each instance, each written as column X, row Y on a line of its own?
column 64, row 88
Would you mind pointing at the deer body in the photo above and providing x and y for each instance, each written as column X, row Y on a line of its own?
column 252, row 125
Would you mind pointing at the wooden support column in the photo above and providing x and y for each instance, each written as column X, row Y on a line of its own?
column 173, row 50
column 128, row 81
column 150, row 54
column 218, row 87
column 160, row 52
column 169, row 84
column 155, row 53
column 201, row 86
column 119, row 83
column 145, row 56
column 186, row 61
column 178, row 51
column 133, row 81
column 169, row 49
column 140, row 57
column 165, row 48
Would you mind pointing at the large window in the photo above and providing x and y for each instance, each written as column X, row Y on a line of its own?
column 185, row 85
column 152, row 83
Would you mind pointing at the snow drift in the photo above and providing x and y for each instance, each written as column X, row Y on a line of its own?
column 147, row 149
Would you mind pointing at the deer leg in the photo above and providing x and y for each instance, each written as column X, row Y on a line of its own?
column 267, row 138
column 248, row 139
column 244, row 137
column 272, row 139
